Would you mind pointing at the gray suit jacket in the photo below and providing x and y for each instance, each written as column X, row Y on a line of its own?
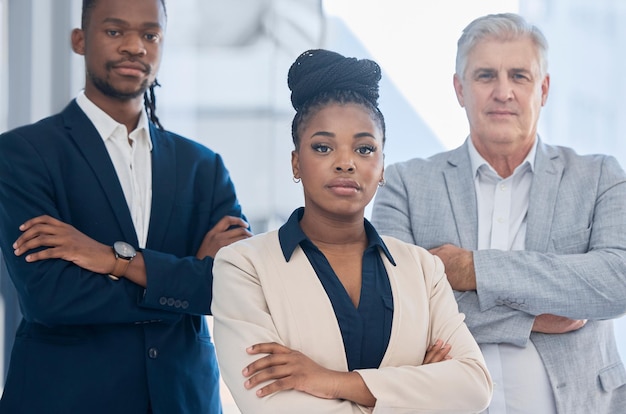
column 574, row 264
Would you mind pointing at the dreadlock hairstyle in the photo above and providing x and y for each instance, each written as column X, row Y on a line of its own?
column 319, row 77
column 149, row 99
column 149, row 102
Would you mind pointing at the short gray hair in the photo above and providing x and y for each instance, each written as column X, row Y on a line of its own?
column 504, row 26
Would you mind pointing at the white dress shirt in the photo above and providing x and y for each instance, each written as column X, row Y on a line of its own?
column 131, row 157
column 521, row 384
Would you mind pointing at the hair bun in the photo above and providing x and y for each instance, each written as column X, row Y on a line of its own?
column 318, row 70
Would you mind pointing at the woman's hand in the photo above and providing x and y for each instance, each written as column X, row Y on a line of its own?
column 292, row 370
column 437, row 352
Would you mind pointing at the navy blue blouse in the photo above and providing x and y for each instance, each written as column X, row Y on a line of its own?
column 365, row 329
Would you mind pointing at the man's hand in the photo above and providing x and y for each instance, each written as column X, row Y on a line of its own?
column 62, row 241
column 553, row 324
column 459, row 266
column 222, row 235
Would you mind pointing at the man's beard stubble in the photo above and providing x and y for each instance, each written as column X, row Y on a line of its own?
column 109, row 90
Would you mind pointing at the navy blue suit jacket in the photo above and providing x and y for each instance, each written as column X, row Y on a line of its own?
column 88, row 344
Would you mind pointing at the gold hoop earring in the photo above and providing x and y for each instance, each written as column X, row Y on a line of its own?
column 296, row 179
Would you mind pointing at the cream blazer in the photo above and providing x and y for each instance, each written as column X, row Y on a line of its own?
column 259, row 297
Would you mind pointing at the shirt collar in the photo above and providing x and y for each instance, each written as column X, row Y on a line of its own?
column 477, row 160
column 290, row 235
column 105, row 125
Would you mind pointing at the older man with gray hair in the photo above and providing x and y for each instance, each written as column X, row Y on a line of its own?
column 533, row 236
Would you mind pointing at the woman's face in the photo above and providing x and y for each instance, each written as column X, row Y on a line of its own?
column 340, row 159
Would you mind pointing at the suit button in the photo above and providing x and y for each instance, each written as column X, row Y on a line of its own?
column 170, row 301
column 184, row 304
column 153, row 353
column 162, row 300
column 177, row 303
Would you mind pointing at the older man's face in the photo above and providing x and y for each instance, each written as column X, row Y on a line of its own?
column 502, row 91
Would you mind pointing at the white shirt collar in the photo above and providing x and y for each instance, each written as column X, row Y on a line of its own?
column 105, row 125
column 478, row 161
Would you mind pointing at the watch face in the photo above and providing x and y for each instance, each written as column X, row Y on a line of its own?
column 124, row 250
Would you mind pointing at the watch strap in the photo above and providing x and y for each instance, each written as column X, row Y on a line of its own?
column 121, row 265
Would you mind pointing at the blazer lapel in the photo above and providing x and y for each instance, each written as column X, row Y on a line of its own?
column 298, row 291
column 163, row 186
column 543, row 193
column 462, row 193
column 91, row 145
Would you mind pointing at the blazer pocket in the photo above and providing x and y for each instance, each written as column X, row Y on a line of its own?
column 572, row 243
column 612, row 377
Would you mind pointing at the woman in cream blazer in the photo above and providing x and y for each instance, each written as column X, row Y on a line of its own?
column 280, row 344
